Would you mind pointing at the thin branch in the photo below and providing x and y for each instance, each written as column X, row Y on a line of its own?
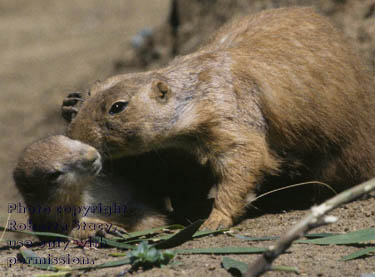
column 5, row 229
column 316, row 218
column 292, row 186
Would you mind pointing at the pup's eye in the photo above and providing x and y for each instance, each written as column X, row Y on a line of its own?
column 53, row 176
column 118, row 107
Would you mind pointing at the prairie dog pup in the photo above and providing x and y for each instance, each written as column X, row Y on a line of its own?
column 277, row 95
column 61, row 175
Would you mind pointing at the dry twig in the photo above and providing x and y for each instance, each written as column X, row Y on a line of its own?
column 316, row 218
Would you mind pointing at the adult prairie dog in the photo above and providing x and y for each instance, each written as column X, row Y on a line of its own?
column 278, row 94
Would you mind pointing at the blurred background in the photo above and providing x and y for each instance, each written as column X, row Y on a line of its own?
column 50, row 48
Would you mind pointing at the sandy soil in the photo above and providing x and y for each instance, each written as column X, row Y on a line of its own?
column 310, row 260
column 50, row 48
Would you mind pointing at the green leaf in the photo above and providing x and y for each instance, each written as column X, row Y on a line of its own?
column 30, row 256
column 234, row 267
column 34, row 260
column 160, row 238
column 320, row 235
column 129, row 236
column 108, row 242
column 168, row 255
column 148, row 256
column 115, row 263
column 200, row 234
column 54, row 274
column 223, row 250
column 152, row 256
column 267, row 238
column 44, row 234
column 151, row 231
column 284, row 268
column 349, row 238
column 360, row 253
column 181, row 237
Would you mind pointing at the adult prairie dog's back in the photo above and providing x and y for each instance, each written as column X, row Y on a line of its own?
column 315, row 94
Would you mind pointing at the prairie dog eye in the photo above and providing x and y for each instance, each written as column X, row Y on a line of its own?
column 53, row 176
column 118, row 107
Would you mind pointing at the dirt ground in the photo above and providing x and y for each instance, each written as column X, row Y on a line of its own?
column 310, row 260
column 50, row 48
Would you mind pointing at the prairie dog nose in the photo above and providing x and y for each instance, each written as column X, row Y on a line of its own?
column 92, row 161
column 91, row 156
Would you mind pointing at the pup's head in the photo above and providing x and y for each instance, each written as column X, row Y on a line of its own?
column 55, row 164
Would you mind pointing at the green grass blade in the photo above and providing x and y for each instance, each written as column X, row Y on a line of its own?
column 200, row 234
column 113, row 243
column 115, row 263
column 151, row 231
column 234, row 267
column 120, row 262
column 44, row 234
column 267, row 238
column 223, row 250
column 349, row 238
column 320, row 235
column 34, row 260
column 150, row 239
column 54, row 274
column 363, row 252
column 284, row 268
column 181, row 237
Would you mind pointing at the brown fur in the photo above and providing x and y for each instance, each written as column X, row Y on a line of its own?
column 57, row 171
column 279, row 94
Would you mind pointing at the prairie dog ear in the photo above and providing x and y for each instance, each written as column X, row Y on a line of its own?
column 160, row 91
